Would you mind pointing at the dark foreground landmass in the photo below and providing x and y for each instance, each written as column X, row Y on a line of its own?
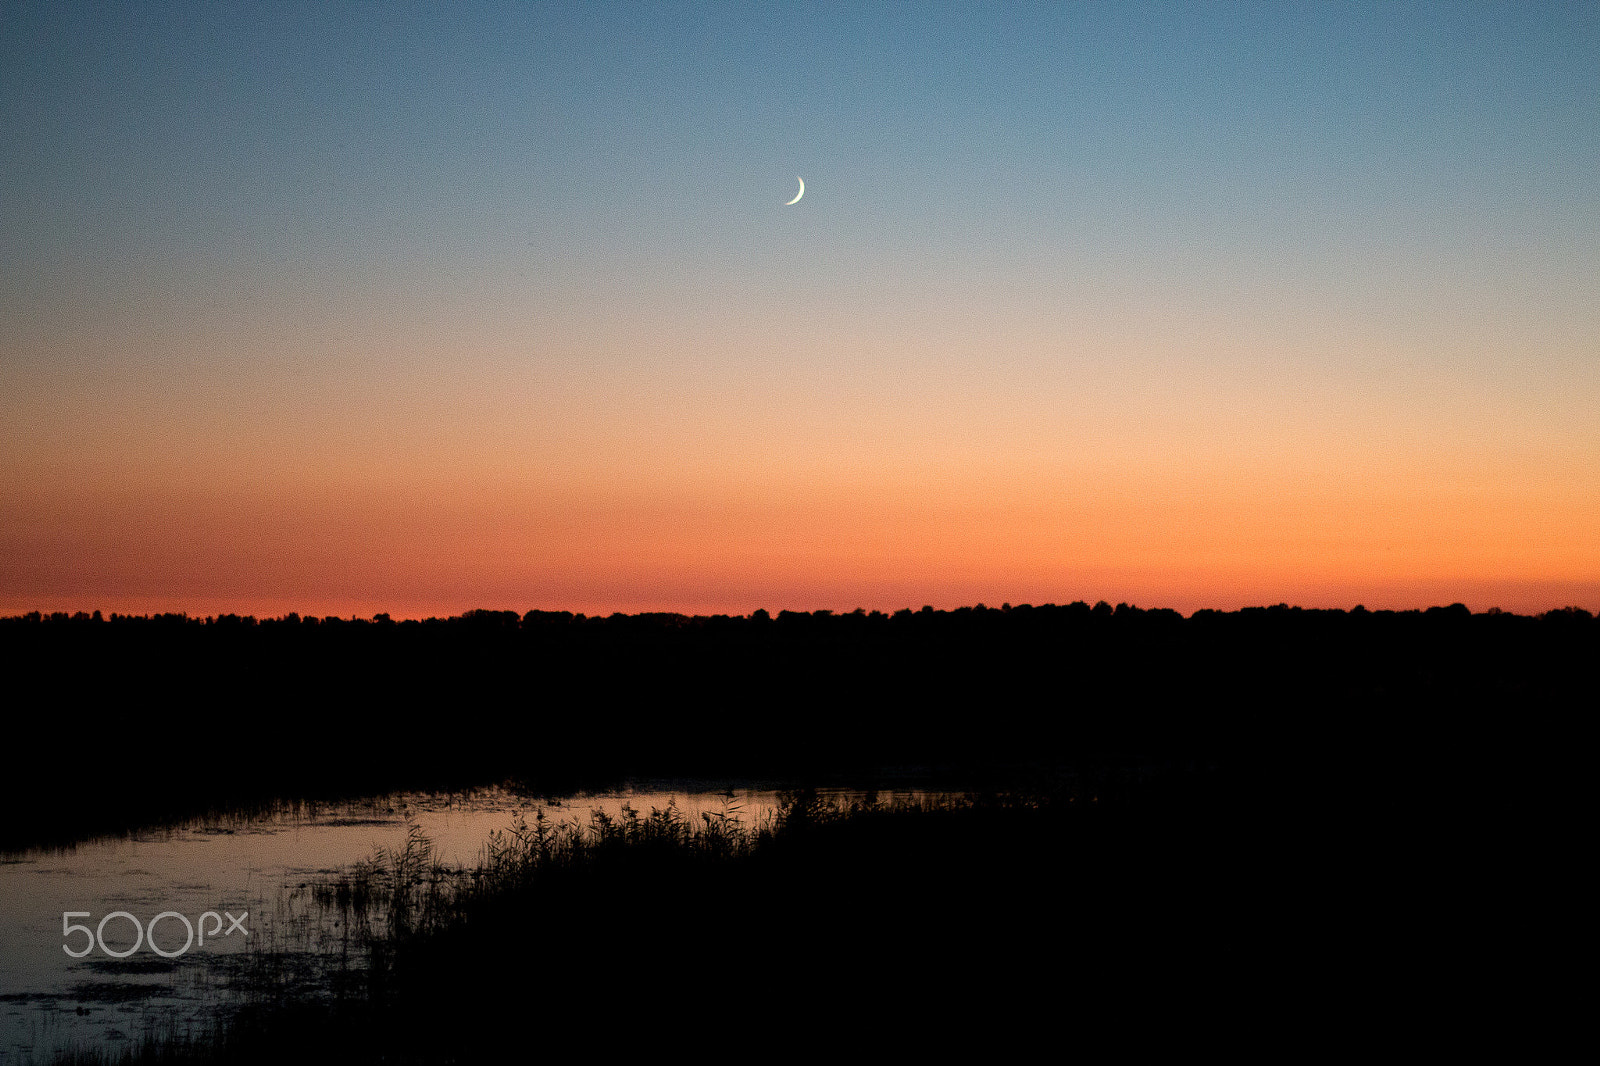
column 113, row 724
column 1179, row 830
column 986, row 926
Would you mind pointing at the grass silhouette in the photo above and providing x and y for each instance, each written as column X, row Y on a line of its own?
column 644, row 932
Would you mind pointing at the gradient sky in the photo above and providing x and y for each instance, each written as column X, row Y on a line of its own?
column 356, row 308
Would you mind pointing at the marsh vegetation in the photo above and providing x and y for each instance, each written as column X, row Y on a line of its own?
column 1162, row 807
column 651, row 930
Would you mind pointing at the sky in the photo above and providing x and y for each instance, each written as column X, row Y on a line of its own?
column 343, row 308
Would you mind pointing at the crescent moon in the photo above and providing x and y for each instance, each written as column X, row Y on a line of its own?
column 799, row 194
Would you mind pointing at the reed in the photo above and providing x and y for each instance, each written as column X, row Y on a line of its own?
column 639, row 931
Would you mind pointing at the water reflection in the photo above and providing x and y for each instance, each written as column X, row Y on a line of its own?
column 227, row 893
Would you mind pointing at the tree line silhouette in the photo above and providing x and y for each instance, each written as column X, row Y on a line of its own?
column 124, row 720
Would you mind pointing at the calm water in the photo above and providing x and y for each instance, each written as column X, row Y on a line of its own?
column 242, row 888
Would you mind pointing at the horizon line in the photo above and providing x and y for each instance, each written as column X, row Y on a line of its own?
column 1100, row 607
